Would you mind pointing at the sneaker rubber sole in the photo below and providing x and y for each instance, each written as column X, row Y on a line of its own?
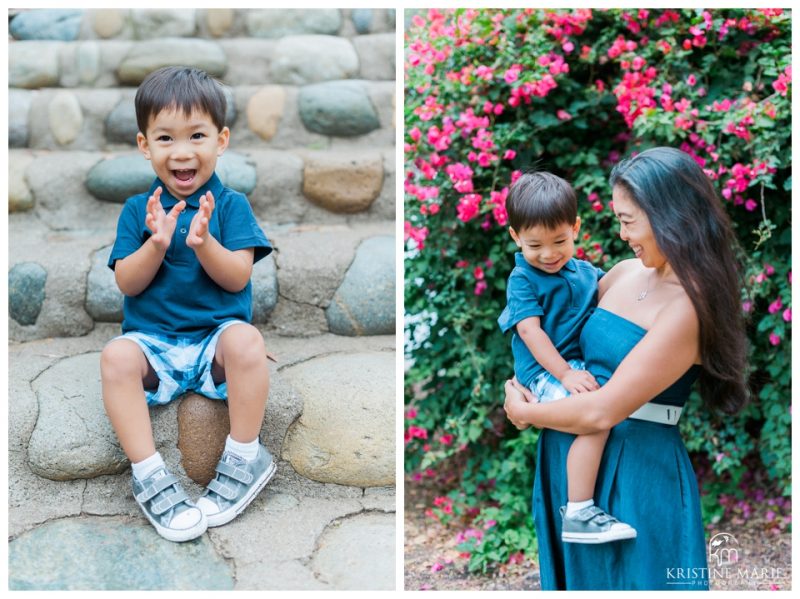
column 178, row 535
column 593, row 538
column 237, row 508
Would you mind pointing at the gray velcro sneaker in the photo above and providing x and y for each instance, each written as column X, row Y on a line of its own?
column 593, row 525
column 167, row 506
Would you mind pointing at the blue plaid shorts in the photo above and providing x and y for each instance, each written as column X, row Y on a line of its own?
column 181, row 364
column 549, row 388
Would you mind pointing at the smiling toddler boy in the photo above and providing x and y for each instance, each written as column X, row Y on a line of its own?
column 550, row 295
column 183, row 257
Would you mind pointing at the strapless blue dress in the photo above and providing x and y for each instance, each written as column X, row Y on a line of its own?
column 645, row 479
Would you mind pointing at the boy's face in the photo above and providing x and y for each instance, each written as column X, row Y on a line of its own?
column 183, row 149
column 547, row 249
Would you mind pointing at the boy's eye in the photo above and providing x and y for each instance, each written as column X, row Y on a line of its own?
column 560, row 242
column 163, row 138
column 198, row 135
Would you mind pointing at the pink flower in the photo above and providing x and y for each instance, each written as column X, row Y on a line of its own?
column 750, row 205
column 775, row 306
column 509, row 155
column 468, row 207
column 770, row 270
column 563, row 115
column 411, row 413
column 415, row 134
column 478, row 273
column 512, row 74
column 774, row 339
column 747, row 306
column 489, row 524
column 691, row 80
column 568, row 47
column 480, row 287
column 446, row 439
column 787, row 315
column 437, row 567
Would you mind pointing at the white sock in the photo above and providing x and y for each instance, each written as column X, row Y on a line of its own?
column 141, row 470
column 576, row 506
column 246, row 451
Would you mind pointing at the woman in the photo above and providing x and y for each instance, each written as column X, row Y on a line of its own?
column 664, row 319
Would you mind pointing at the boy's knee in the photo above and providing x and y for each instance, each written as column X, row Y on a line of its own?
column 244, row 343
column 121, row 359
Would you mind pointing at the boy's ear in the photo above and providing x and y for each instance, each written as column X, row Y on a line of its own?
column 576, row 227
column 223, row 138
column 141, row 141
column 514, row 236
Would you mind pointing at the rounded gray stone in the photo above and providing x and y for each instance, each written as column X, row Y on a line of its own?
column 19, row 104
column 346, row 432
column 103, row 297
column 48, row 24
column 65, row 117
column 391, row 16
column 145, row 57
column 73, row 437
column 276, row 23
column 237, row 172
column 121, row 124
column 376, row 54
column 159, row 23
column 112, row 554
column 265, row 288
column 362, row 19
column 364, row 304
column 117, row 179
column 26, row 283
column 305, row 59
column 339, row 108
column 33, row 64
column 357, row 553
column 87, row 60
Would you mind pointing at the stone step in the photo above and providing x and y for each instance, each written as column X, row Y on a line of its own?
column 67, row 190
column 290, row 60
column 343, row 114
column 138, row 24
column 337, row 278
column 69, row 482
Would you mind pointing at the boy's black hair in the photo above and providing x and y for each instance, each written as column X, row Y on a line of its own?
column 181, row 88
column 541, row 199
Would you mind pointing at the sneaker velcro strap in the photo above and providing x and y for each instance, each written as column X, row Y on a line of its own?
column 168, row 502
column 243, row 476
column 221, row 489
column 156, row 487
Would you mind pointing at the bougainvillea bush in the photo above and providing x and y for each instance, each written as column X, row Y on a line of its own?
column 489, row 93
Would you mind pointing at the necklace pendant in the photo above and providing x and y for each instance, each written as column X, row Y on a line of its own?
column 642, row 295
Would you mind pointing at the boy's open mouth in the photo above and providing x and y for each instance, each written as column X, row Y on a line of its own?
column 184, row 175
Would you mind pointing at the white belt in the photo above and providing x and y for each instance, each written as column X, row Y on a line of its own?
column 660, row 413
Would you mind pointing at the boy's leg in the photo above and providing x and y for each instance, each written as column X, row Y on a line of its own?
column 583, row 463
column 241, row 361
column 125, row 374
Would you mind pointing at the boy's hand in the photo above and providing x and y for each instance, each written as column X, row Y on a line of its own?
column 161, row 224
column 198, row 230
column 579, row 381
column 512, row 388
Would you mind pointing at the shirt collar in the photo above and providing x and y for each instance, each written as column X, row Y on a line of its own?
column 214, row 185
column 519, row 260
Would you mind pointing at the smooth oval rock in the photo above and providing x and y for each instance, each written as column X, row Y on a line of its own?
column 19, row 104
column 47, row 24
column 265, row 288
column 376, row 56
column 339, row 108
column 346, row 432
column 121, row 124
column 145, row 57
column 237, row 172
column 364, row 304
column 112, row 554
column 265, row 109
column 305, row 59
column 275, row 23
column 20, row 197
column 203, row 425
column 219, row 20
column 73, row 437
column 117, row 179
column 103, row 297
column 65, row 116
column 342, row 184
column 164, row 22
column 26, row 292
column 362, row 19
column 108, row 22
column 33, row 64
column 87, row 59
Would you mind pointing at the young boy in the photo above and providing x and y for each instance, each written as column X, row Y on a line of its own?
column 550, row 296
column 183, row 257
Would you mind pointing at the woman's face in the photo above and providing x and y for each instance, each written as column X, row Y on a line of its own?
column 634, row 228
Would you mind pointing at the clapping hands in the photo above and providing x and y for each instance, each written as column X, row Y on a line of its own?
column 198, row 230
column 161, row 224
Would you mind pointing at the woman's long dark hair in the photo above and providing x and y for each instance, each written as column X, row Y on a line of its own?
column 694, row 233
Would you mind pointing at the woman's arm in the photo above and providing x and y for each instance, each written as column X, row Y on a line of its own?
column 663, row 355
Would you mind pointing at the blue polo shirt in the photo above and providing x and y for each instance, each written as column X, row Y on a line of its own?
column 562, row 301
column 182, row 299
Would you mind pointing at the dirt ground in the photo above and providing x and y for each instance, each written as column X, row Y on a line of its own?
column 765, row 559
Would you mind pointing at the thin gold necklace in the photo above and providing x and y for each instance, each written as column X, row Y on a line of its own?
column 644, row 293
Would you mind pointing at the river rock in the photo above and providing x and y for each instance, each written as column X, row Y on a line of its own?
column 340, row 108
column 33, row 64
column 346, row 432
column 26, row 282
column 305, row 59
column 362, row 19
column 20, row 197
column 265, row 109
column 364, row 304
column 203, row 426
column 103, row 297
column 342, row 183
column 108, row 22
column 47, row 24
column 19, row 104
column 276, row 23
column 117, row 179
column 145, row 57
column 219, row 20
column 65, row 117
column 73, row 437
column 151, row 23
column 265, row 288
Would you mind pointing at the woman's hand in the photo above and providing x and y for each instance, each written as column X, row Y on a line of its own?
column 516, row 397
